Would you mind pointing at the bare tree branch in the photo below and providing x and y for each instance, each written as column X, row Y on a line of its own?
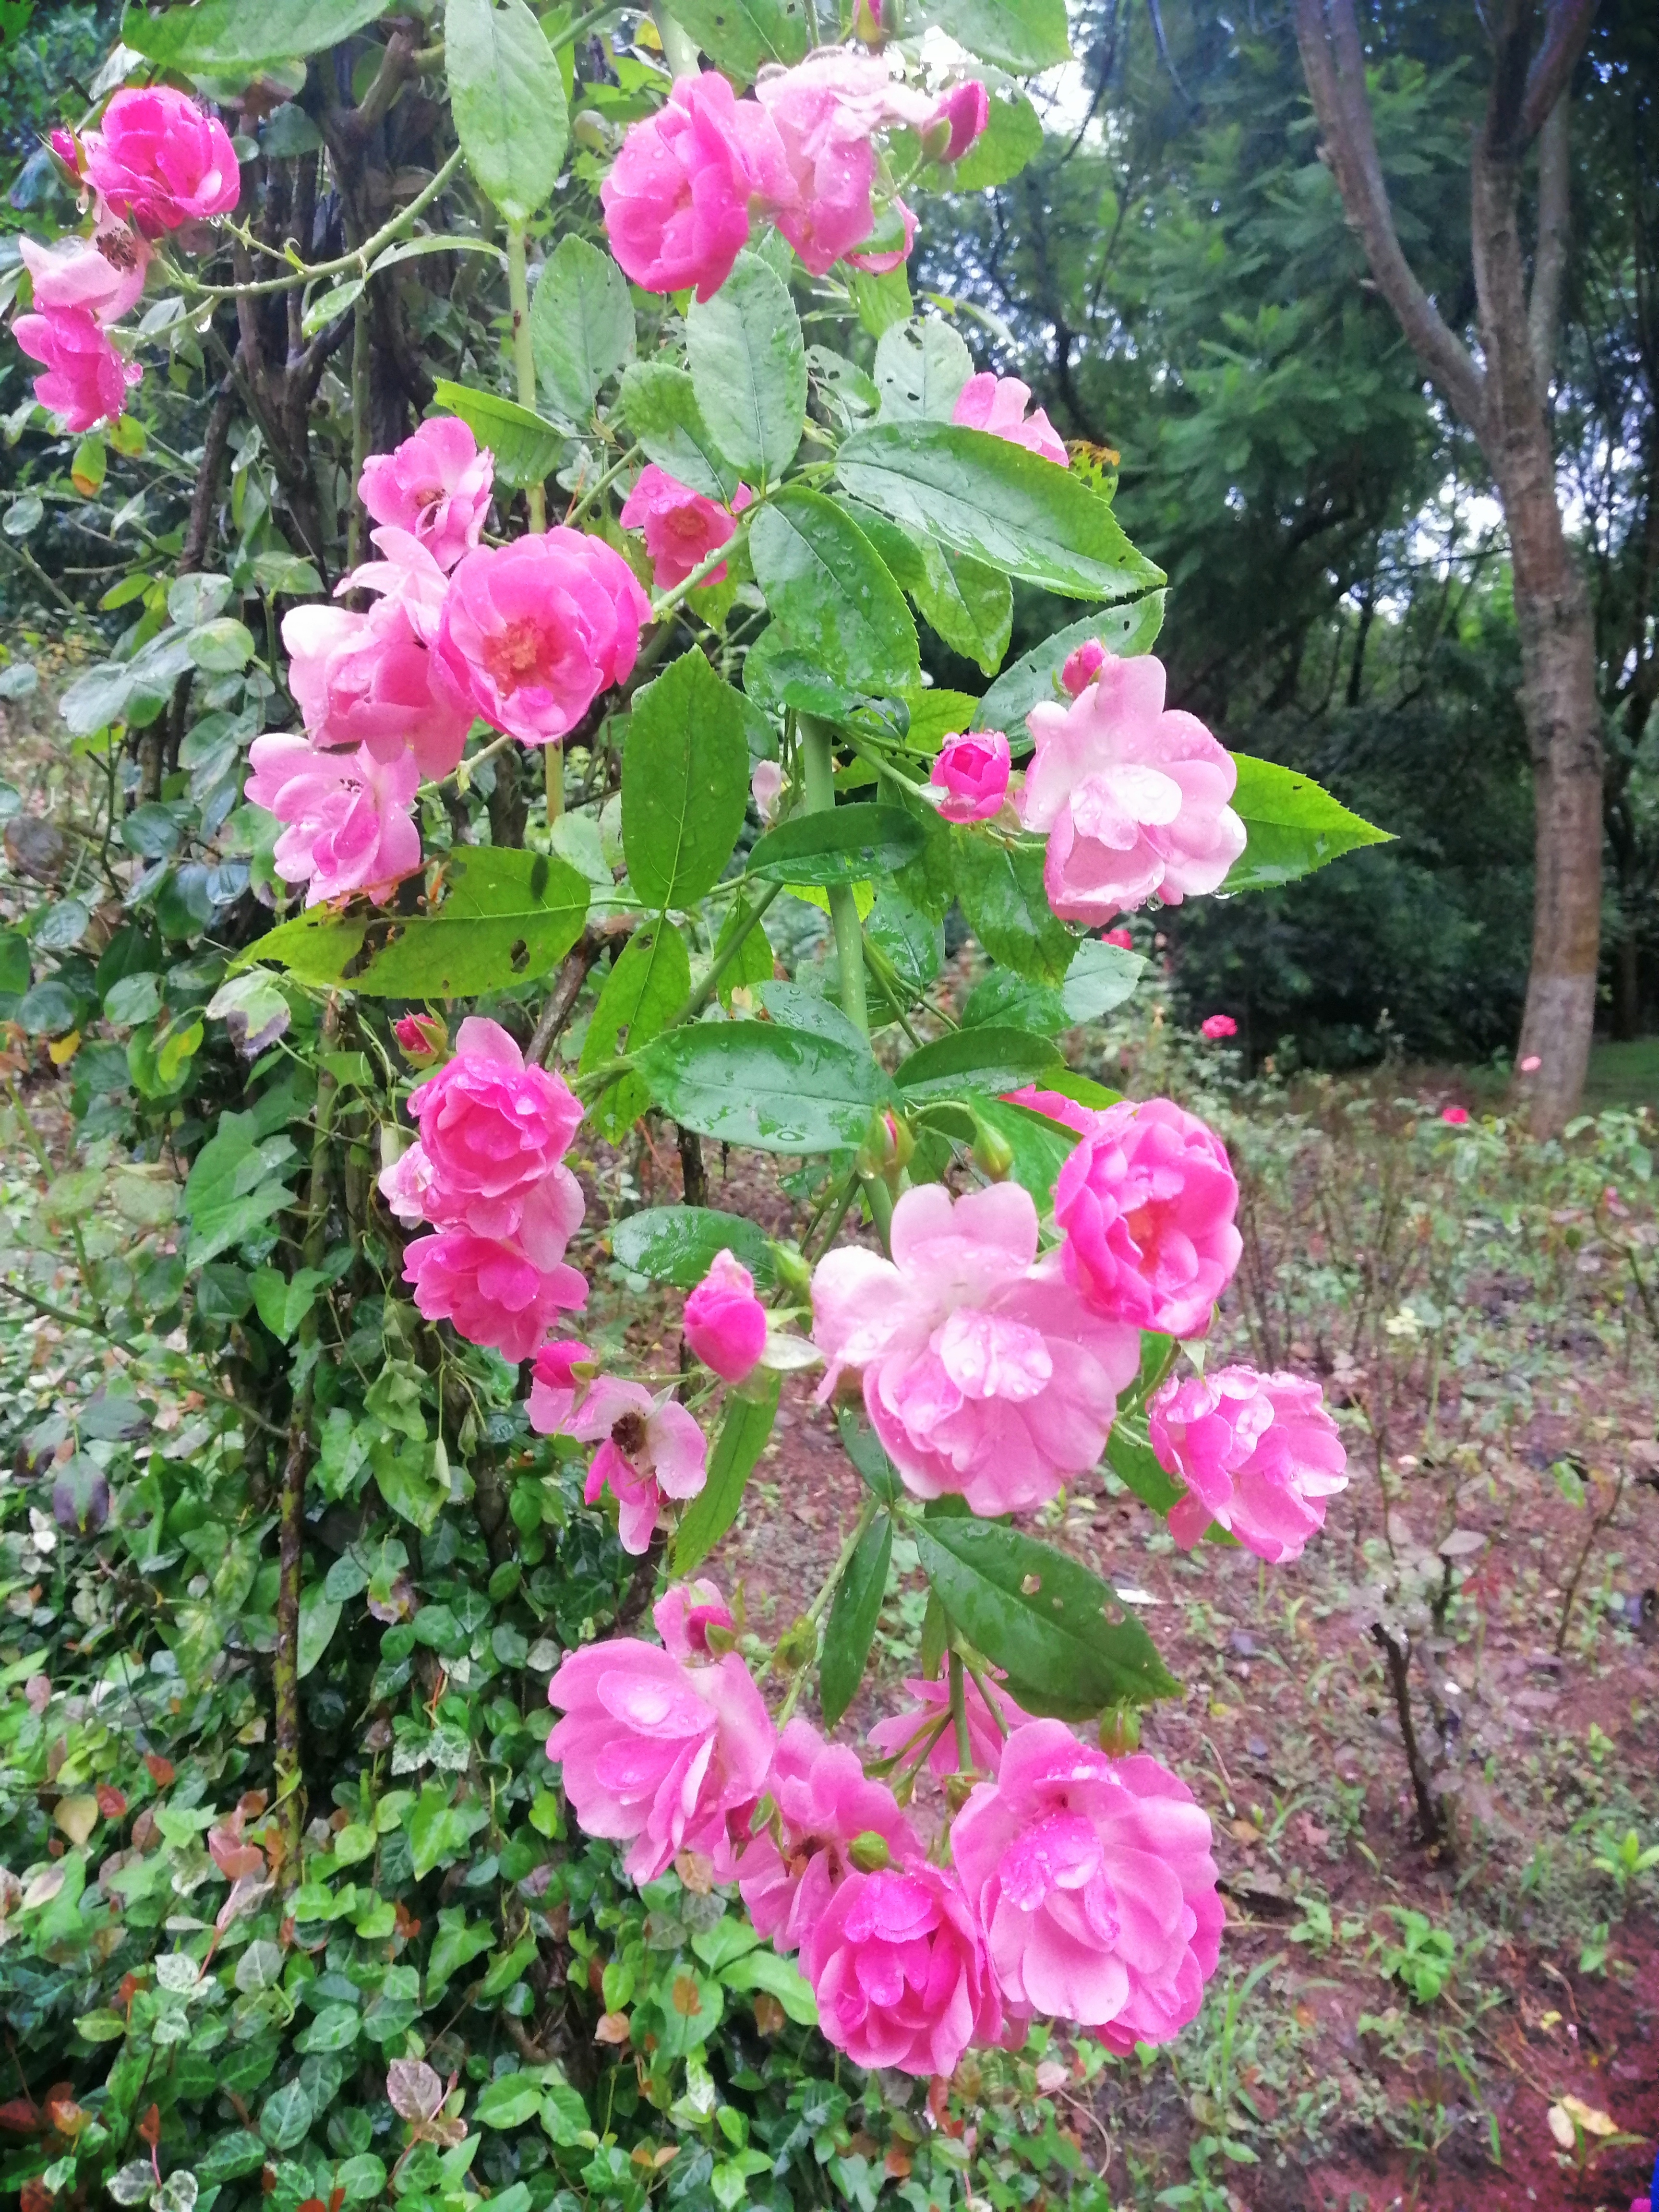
column 1567, row 34
column 1554, row 237
column 1335, row 65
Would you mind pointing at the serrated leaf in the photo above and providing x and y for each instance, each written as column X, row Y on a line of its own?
column 643, row 992
column 1035, row 677
column 581, row 327
column 684, row 784
column 527, row 446
column 1000, row 887
column 984, row 1058
column 1293, row 826
column 507, row 98
column 830, row 588
column 860, row 843
column 660, row 404
column 218, row 38
column 753, row 1083
column 749, row 368
column 677, row 1245
column 920, row 368
column 740, row 36
column 1023, row 35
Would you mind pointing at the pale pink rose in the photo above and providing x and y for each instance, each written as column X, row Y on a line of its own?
column 972, row 770
column 1133, row 798
column 1054, row 1104
column 899, row 1970
column 404, row 1183
column 965, row 110
column 1214, row 1027
column 104, row 274
column 554, row 1385
column 435, row 485
column 823, row 1802
column 409, row 577
column 1258, row 1453
column 533, row 631
column 983, row 1375
column 86, row 381
column 997, row 404
column 492, row 1292
column 1457, row 1116
column 656, row 1755
column 685, row 1615
column 347, row 816
column 421, row 1038
column 158, row 161
column 495, row 1131
column 1146, row 1202
column 884, row 263
column 677, row 199
column 827, row 110
column 1092, row 1880
column 1531, row 1063
column 901, row 1732
column 653, row 1448
column 681, row 527
column 366, row 679
column 766, row 788
column 725, row 1322
column 1082, row 666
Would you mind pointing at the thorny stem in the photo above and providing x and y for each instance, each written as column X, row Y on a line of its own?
column 710, row 983
column 359, row 259
column 1598, row 1523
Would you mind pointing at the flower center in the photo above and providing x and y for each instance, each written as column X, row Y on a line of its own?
column 627, row 1434
column 513, row 654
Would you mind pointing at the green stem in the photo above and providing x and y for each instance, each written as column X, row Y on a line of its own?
column 818, row 796
column 359, row 425
column 524, row 351
column 668, row 601
column 599, row 485
column 679, row 51
column 43, row 1159
column 710, row 983
column 959, row 1715
column 358, row 259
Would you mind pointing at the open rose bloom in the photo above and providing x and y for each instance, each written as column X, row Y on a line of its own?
column 87, row 381
column 682, row 528
column 824, row 1804
column 158, row 161
column 1258, row 1453
column 899, row 1970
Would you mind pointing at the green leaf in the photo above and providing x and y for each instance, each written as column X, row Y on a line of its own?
column 335, row 2028
column 217, row 38
column 581, row 325
column 507, row 1968
column 971, row 1060
column 439, row 1831
column 753, row 1083
column 684, row 783
column 233, row 1187
column 863, row 1447
column 777, row 674
column 508, row 2101
column 920, row 368
column 1011, row 138
column 507, row 98
column 881, row 300
column 1040, row 1146
column 744, row 1434
column 228, row 2157
column 1042, row 1617
column 1000, row 887
column 326, row 305
column 1035, row 677
column 1130, row 1456
column 564, row 2116
column 911, row 939
column 777, row 1978
column 284, row 1301
column 642, row 993
column 739, row 35
column 677, row 1245
column 660, row 404
column 827, row 584
column 1100, row 977
column 1023, row 35
column 362, row 2177
column 525, row 445
column 320, row 1616
column 508, row 917
column 845, row 845
column 853, row 1615
column 748, row 367
column 987, row 497
column 969, row 603
column 286, row 2116
column 455, row 1946
column 1293, row 825
column 409, row 1480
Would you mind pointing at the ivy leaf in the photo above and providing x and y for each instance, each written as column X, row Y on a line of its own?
column 754, row 1083
column 439, row 1831
column 833, row 594
column 779, row 1978
column 507, row 98
column 852, row 1616
column 684, row 783
column 581, row 327
column 286, row 2116
column 744, row 1434
column 749, row 368
column 320, row 1616
column 1294, row 826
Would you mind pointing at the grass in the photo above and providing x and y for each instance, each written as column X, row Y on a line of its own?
column 1624, row 1075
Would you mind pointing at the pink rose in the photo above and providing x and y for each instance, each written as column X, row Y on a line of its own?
column 997, row 404
column 104, row 274
column 493, row 1132
column 887, row 259
column 788, row 1872
column 554, row 1385
column 435, row 485
column 159, row 161
column 655, row 1754
column 1092, row 1880
column 676, row 201
column 982, row 1373
column 826, row 111
column 899, row 1970
column 964, row 112
column 652, row 1449
column 973, row 771
column 533, row 631
column 1258, row 1453
column 409, row 577
column 366, row 679
column 1532, row 1063
column 490, row 1288
column 1133, row 798
column 766, row 788
column 349, row 824
column 421, row 1038
column 1146, row 1202
column 1082, row 666
column 1217, row 1026
column 1123, row 938
column 685, row 1615
column 86, row 381
column 1056, row 1104
column 725, row 1322
column 901, row 1732
column 1457, row 1116
column 681, row 527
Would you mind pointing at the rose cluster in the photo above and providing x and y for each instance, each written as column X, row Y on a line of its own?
column 692, row 180
column 155, row 164
column 1082, row 1888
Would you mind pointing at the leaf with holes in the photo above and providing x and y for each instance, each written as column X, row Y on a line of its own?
column 741, row 36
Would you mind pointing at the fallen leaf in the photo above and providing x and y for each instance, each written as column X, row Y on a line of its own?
column 1594, row 2123
column 613, row 2027
column 1561, row 2127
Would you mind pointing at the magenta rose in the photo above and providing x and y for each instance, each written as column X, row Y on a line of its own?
column 554, row 1385
column 1092, row 1882
column 1146, row 1202
column 899, row 1970
column 677, row 199
column 681, row 527
column 1081, row 666
column 963, row 113
column 87, row 381
column 1258, row 1453
column 725, row 1322
column 490, row 1289
column 823, row 1803
column 366, row 680
column 1132, row 797
column 990, row 1723
column 1054, row 1104
column 494, row 1132
column 104, row 274
column 997, row 404
column 348, row 828
column 158, row 161
column 649, row 1449
column 972, row 771
column 435, row 485
column 655, row 1754
column 532, row 632
column 983, row 1374
column 1214, row 1027
column 685, row 1615
column 826, row 111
